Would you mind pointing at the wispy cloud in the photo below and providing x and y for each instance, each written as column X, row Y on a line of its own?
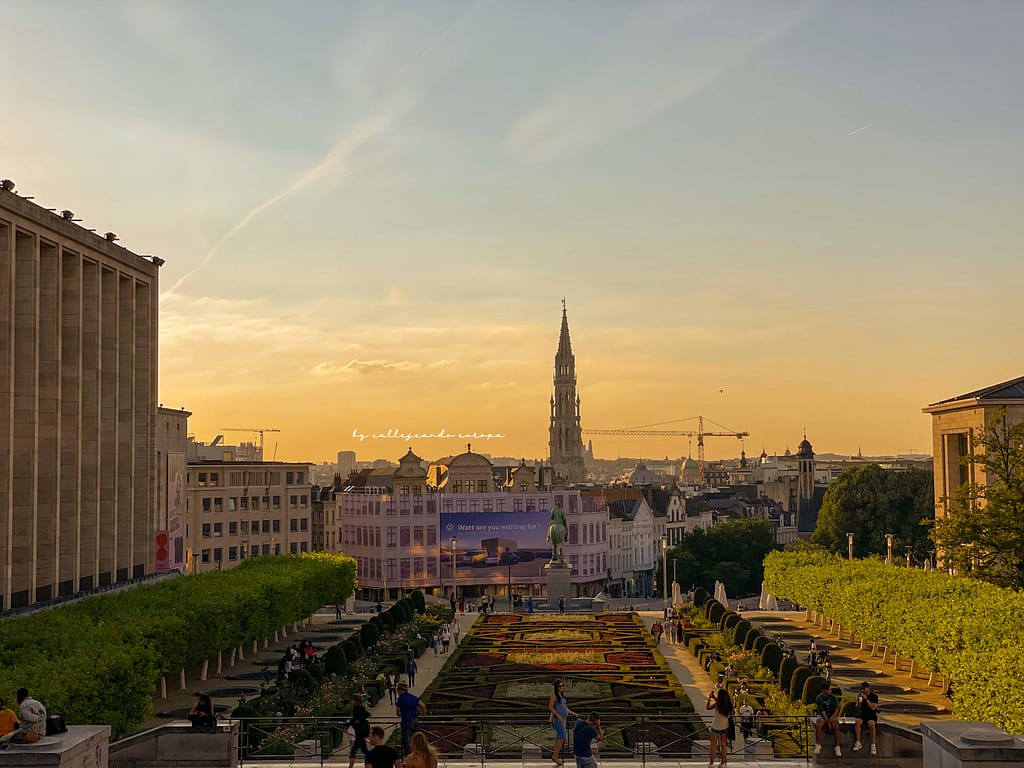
column 656, row 61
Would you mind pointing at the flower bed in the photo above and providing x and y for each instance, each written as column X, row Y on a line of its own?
column 502, row 674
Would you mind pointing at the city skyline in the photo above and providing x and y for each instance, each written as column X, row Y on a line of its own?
column 782, row 217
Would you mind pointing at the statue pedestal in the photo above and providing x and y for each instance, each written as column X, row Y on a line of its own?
column 557, row 575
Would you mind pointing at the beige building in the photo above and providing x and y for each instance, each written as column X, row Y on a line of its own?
column 237, row 510
column 954, row 420
column 171, row 472
column 78, row 383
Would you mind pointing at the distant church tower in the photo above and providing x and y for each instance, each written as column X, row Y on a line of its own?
column 807, row 515
column 565, row 438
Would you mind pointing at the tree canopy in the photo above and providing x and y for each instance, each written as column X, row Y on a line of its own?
column 870, row 502
column 982, row 533
column 730, row 552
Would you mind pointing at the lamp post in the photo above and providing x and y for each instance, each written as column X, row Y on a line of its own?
column 508, row 554
column 664, row 567
column 849, row 544
column 455, row 585
column 888, row 547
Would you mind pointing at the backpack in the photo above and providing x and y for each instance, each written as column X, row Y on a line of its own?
column 55, row 724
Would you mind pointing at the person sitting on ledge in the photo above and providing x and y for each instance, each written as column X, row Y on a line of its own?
column 201, row 715
column 33, row 722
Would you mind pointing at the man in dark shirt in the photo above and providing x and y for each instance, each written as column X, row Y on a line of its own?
column 583, row 733
column 380, row 754
column 867, row 712
column 409, row 708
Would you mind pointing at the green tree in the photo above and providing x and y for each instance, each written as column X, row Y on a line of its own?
column 982, row 534
column 730, row 552
column 870, row 502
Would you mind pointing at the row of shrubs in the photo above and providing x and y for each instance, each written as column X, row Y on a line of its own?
column 384, row 642
column 796, row 680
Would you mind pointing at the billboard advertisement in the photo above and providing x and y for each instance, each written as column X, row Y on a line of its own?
column 492, row 546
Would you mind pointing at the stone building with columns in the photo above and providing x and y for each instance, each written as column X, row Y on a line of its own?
column 78, row 391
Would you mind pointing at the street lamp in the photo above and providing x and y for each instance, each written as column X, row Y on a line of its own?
column 664, row 567
column 455, row 586
column 508, row 557
column 888, row 547
column 849, row 544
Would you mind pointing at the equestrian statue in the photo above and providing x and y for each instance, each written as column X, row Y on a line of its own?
column 556, row 534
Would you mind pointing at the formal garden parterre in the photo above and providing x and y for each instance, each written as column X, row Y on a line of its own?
column 494, row 690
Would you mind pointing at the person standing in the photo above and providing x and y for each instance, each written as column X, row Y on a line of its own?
column 359, row 721
column 410, row 670
column 33, row 722
column 746, row 718
column 827, row 706
column 380, row 754
column 408, row 708
column 585, row 732
column 867, row 712
column 391, row 683
column 720, row 702
column 559, row 709
column 456, row 631
column 446, row 638
column 561, row 604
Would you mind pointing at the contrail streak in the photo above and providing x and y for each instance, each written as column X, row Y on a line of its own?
column 862, row 128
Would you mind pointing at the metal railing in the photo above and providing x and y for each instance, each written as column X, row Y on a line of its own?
column 641, row 739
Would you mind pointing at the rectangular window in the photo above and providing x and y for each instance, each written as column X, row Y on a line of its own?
column 244, row 502
column 277, row 502
column 232, row 504
column 474, row 506
column 206, row 530
column 214, row 478
column 233, row 528
column 303, row 500
column 404, row 536
column 489, row 505
column 517, row 505
column 293, row 524
column 232, row 553
column 304, row 524
column 431, row 535
column 417, row 568
column 573, row 534
column 206, row 555
column 293, row 500
column 290, row 478
column 218, row 529
column 277, row 526
column 406, row 568
column 531, row 505
column 392, row 537
column 266, row 549
column 245, row 527
column 277, row 548
column 266, row 526
column 431, row 567
column 207, row 503
column 446, row 505
column 294, row 547
column 218, row 554
column 266, row 502
column 304, row 547
column 300, row 478
column 417, row 536
column 218, row 504
column 481, row 486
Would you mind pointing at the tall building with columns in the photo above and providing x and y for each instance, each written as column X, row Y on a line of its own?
column 565, row 437
column 78, row 388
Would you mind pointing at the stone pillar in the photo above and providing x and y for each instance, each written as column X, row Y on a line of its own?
column 557, row 575
column 956, row 744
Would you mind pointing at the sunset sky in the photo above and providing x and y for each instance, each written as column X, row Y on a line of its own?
column 776, row 214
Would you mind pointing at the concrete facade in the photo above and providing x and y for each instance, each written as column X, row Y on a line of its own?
column 955, row 420
column 237, row 510
column 78, row 384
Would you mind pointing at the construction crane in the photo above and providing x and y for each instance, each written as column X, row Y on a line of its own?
column 700, row 434
column 258, row 430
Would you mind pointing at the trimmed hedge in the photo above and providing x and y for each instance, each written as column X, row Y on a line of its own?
column 771, row 658
column 796, row 685
column 419, row 602
column 83, row 653
column 786, row 669
column 700, row 596
column 760, row 643
column 729, row 620
column 750, row 638
column 740, row 632
column 715, row 611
